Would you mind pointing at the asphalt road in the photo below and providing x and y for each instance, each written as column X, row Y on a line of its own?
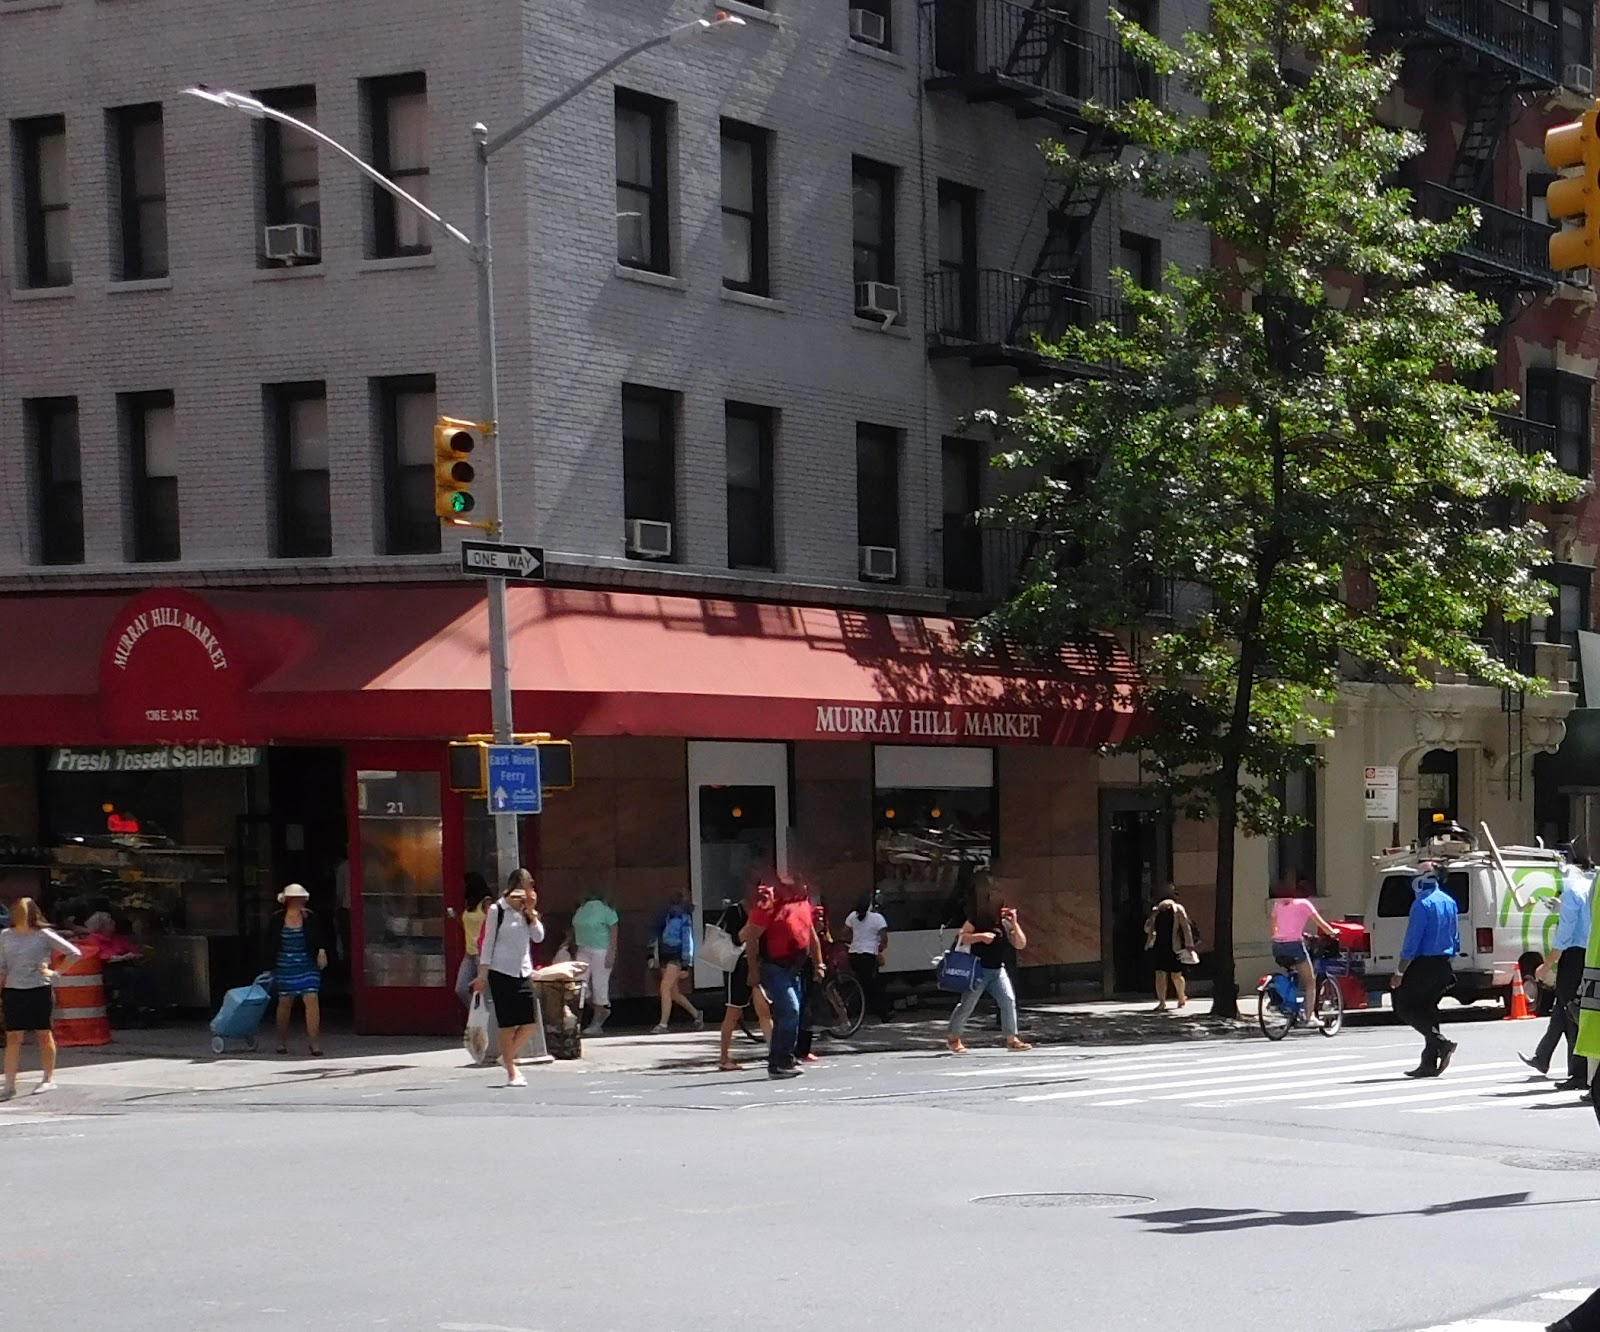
column 1209, row 1185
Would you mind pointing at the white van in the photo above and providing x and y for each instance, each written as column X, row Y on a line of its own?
column 1500, row 929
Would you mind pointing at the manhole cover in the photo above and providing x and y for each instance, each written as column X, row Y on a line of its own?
column 1064, row 1200
column 1555, row 1161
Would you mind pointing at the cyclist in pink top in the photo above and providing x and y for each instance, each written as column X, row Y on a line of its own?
column 1292, row 919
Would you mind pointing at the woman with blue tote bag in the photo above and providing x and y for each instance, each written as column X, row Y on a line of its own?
column 995, row 936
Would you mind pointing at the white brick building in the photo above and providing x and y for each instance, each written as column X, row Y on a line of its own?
column 215, row 326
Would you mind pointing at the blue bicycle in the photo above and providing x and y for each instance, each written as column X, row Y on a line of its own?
column 1281, row 1007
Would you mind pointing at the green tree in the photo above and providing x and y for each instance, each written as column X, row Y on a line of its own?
column 1290, row 432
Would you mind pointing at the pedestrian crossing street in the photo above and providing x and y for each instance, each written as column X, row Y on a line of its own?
column 1321, row 1077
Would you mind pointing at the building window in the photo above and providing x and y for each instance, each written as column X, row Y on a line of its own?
column 52, row 425
column 1140, row 257
column 291, row 191
column 397, row 110
column 1537, row 206
column 407, row 411
column 297, row 416
column 933, row 829
column 1565, row 402
column 141, row 177
column 151, row 427
column 872, row 228
column 877, row 486
column 1577, row 41
column 884, row 11
column 1293, row 870
column 41, row 148
column 1438, row 792
column 649, row 455
column 962, row 477
column 749, row 444
column 642, row 228
column 958, row 260
column 744, row 208
column 1569, row 606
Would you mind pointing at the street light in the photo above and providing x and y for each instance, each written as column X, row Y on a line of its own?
column 485, row 146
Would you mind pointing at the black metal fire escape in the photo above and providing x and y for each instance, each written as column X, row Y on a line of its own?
column 1033, row 57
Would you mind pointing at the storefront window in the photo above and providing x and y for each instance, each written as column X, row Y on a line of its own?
column 402, row 878
column 933, row 828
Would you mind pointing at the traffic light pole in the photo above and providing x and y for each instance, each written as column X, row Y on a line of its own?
column 507, row 853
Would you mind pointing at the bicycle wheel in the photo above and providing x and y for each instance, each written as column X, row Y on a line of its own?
column 1330, row 1007
column 847, row 1005
column 1272, row 1013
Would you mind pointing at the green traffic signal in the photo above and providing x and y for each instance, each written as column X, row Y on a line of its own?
column 461, row 502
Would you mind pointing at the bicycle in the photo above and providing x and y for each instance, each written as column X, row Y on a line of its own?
column 846, row 1004
column 1280, row 1007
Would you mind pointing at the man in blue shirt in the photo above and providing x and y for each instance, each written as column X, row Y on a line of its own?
column 1424, row 974
column 1566, row 960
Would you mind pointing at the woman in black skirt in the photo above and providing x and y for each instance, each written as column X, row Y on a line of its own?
column 505, row 967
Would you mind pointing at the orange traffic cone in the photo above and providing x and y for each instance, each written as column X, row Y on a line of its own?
column 1519, row 998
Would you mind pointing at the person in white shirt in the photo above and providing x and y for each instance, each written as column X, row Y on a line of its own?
column 869, row 943
column 505, row 967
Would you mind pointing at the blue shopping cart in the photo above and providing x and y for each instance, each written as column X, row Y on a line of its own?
column 241, row 1013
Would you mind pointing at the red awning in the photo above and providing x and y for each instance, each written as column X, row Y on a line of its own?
column 411, row 661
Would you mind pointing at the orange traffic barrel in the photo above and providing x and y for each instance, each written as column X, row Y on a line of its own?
column 80, row 1015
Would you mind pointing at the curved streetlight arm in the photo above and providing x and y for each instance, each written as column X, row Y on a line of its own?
column 254, row 106
column 678, row 34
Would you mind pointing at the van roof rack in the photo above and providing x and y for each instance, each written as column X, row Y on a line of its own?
column 1408, row 856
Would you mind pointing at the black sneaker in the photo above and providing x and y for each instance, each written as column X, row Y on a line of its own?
column 1573, row 1084
column 1534, row 1064
column 783, row 1072
column 1445, row 1051
column 1422, row 1071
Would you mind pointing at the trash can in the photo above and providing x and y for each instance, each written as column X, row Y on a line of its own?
column 561, row 1001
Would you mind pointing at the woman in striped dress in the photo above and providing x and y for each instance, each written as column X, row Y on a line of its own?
column 298, row 954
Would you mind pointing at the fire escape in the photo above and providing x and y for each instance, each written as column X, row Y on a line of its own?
column 1033, row 58
column 1495, row 52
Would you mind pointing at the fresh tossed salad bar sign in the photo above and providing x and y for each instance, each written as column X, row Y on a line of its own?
column 159, row 758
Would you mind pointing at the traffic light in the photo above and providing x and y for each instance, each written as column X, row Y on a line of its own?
column 453, row 445
column 1575, row 196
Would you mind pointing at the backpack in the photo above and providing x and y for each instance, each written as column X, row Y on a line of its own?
column 677, row 931
column 788, row 938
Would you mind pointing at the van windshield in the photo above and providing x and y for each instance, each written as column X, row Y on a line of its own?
column 1395, row 897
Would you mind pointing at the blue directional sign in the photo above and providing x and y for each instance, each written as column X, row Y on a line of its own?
column 513, row 786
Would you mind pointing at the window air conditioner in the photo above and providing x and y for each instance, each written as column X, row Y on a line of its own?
column 878, row 300
column 1580, row 78
column 879, row 564
column 649, row 538
column 293, row 240
column 865, row 26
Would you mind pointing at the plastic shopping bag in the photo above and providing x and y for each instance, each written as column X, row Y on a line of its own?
column 476, row 1037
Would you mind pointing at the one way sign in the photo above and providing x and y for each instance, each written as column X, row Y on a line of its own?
column 488, row 558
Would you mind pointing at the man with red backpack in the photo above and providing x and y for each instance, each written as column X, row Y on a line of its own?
column 780, row 938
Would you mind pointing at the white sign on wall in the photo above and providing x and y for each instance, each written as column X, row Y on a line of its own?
column 1383, row 794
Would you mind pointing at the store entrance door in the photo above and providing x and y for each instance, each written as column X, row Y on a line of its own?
column 738, row 823
column 405, row 875
column 1135, row 866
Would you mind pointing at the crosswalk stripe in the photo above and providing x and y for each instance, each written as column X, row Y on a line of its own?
column 1387, row 1079
column 1332, row 1084
column 1485, row 1325
column 1263, row 1078
column 1463, row 1087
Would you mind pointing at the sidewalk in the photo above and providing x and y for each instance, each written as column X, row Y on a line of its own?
column 171, row 1062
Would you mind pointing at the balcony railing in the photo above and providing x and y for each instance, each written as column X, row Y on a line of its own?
column 1529, row 437
column 1506, row 245
column 1505, row 32
column 1002, row 50
column 979, row 565
column 994, row 317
